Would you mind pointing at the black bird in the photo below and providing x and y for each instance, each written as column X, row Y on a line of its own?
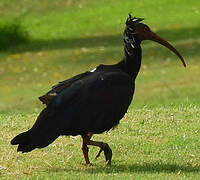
column 92, row 102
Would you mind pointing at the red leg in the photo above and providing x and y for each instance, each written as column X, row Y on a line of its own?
column 86, row 139
column 103, row 147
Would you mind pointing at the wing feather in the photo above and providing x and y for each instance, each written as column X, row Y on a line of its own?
column 93, row 104
column 56, row 89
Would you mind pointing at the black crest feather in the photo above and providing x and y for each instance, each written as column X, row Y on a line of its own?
column 131, row 19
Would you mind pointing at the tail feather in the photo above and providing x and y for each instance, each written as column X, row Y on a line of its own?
column 40, row 135
column 21, row 138
column 28, row 141
column 24, row 142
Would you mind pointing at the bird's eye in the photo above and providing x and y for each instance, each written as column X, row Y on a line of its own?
column 146, row 29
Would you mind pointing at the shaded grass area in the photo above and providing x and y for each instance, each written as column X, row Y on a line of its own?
column 107, row 40
column 28, row 75
column 12, row 34
column 156, row 167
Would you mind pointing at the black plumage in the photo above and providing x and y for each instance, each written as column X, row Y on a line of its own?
column 91, row 102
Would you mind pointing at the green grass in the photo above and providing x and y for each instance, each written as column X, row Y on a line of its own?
column 157, row 139
column 159, row 143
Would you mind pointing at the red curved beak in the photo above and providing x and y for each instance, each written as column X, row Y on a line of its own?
column 154, row 37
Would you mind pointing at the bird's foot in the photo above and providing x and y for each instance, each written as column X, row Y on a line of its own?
column 107, row 153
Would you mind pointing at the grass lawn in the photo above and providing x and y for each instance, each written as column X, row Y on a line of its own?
column 159, row 136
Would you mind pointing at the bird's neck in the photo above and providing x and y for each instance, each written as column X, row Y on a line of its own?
column 132, row 59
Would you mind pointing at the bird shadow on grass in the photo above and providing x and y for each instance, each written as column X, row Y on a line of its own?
column 135, row 168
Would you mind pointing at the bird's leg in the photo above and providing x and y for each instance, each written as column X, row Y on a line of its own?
column 103, row 147
column 85, row 149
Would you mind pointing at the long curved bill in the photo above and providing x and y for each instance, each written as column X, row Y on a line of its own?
column 154, row 37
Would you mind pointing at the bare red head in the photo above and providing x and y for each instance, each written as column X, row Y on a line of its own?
column 142, row 32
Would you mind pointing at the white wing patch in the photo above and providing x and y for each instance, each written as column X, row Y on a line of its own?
column 93, row 70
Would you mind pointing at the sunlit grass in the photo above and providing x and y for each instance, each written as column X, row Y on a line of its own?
column 147, row 143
